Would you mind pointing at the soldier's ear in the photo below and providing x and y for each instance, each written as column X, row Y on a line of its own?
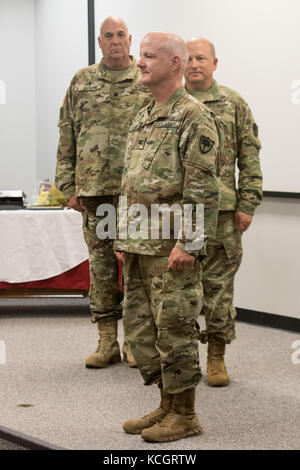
column 176, row 62
column 130, row 38
column 215, row 63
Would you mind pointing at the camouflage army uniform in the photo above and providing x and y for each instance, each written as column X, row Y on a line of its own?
column 166, row 162
column 241, row 145
column 96, row 114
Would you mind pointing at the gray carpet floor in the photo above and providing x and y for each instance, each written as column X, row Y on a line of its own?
column 46, row 391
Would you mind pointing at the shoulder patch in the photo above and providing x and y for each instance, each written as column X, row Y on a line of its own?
column 205, row 144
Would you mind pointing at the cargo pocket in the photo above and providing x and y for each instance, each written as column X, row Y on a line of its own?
column 233, row 247
column 185, row 370
column 161, row 158
column 186, row 352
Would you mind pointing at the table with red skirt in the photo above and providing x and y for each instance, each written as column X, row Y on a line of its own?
column 42, row 249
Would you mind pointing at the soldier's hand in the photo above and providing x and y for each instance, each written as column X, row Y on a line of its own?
column 242, row 221
column 76, row 203
column 120, row 256
column 179, row 260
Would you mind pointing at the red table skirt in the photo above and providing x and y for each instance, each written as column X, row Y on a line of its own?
column 77, row 278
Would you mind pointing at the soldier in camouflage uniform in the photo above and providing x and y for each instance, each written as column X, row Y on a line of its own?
column 97, row 111
column 241, row 146
column 171, row 159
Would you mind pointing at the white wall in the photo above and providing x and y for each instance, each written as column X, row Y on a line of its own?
column 257, row 43
column 61, row 40
column 17, row 116
column 268, row 279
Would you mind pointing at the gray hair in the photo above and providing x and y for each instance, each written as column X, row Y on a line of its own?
column 115, row 19
column 207, row 41
column 172, row 45
column 175, row 45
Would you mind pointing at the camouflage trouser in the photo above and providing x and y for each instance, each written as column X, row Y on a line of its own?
column 224, row 255
column 160, row 312
column 104, row 289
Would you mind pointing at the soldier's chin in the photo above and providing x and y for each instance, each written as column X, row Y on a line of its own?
column 116, row 53
column 145, row 78
column 195, row 77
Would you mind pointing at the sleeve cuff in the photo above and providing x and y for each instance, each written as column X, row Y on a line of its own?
column 181, row 246
column 246, row 208
column 69, row 193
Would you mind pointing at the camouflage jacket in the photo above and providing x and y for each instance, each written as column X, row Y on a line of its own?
column 241, row 145
column 171, row 158
column 94, row 120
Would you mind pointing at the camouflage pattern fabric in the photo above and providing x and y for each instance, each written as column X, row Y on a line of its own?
column 241, row 145
column 171, row 158
column 96, row 114
column 95, row 117
column 104, row 288
column 160, row 312
column 224, row 255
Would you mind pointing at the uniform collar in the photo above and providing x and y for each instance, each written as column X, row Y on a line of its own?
column 129, row 73
column 211, row 94
column 165, row 110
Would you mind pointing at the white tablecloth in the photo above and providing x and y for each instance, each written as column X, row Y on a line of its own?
column 39, row 244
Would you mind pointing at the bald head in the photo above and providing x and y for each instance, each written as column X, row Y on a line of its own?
column 202, row 63
column 113, row 21
column 163, row 57
column 204, row 43
column 114, row 42
column 171, row 44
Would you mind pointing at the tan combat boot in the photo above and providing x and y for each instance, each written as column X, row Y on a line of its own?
column 127, row 355
column 216, row 371
column 135, row 426
column 180, row 422
column 108, row 350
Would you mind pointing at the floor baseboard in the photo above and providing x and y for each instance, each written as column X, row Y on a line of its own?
column 268, row 319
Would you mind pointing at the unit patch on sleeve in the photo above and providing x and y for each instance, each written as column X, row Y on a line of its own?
column 205, row 144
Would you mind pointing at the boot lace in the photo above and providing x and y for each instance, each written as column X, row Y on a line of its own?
column 168, row 420
column 105, row 344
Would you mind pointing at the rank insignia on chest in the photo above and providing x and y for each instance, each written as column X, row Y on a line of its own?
column 205, row 144
column 168, row 124
column 140, row 143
